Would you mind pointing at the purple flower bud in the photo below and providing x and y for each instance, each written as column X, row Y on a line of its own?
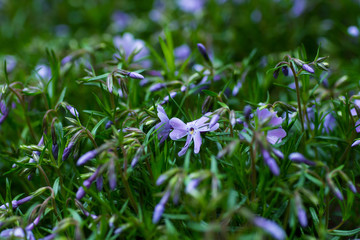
column 192, row 185
column 274, row 168
column 55, row 150
column 302, row 216
column 247, row 112
column 183, row 88
column 338, row 194
column 214, row 120
column 80, row 193
column 99, row 183
column 156, row 87
column 270, row 227
column 72, row 110
column 66, row 59
column 232, row 118
column 352, row 187
column 166, row 99
column 24, row 200
column 108, row 124
column 158, row 212
column 161, row 179
column 299, row 158
column 203, row 52
column 135, row 75
column 278, row 153
column 67, row 151
column 357, row 142
column 86, row 157
column 30, row 227
column 143, row 82
column 307, row 68
column 285, row 70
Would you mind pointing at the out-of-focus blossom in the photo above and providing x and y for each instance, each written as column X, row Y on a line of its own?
column 329, row 121
column 270, row 227
column 160, row 207
column 163, row 127
column 191, row 6
column 121, row 20
column 270, row 118
column 16, row 233
column 43, row 71
column 129, row 44
column 166, row 98
column 299, row 158
column 256, row 16
column 182, row 52
column 353, row 31
column 192, row 130
column 270, row 162
column 298, row 8
column 135, row 75
column 10, row 63
column 192, row 185
column 86, row 157
column 72, row 110
column 157, row 87
column 307, row 68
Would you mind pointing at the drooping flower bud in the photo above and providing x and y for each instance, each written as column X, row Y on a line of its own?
column 270, row 227
column 135, row 75
column 203, row 52
column 67, row 150
column 80, row 193
column 86, row 157
column 285, row 70
column 307, row 68
column 299, row 158
column 214, row 120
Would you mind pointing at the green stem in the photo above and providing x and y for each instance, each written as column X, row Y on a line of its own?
column 298, row 96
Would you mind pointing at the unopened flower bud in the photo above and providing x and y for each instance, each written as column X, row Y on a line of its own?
column 307, row 68
column 86, row 157
column 214, row 120
column 203, row 52
column 285, row 70
column 80, row 193
column 299, row 158
column 135, row 75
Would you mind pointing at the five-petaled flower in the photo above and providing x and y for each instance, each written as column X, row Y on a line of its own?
column 192, row 130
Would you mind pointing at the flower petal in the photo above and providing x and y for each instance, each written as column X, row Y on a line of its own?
column 203, row 119
column 185, row 148
column 197, row 142
column 275, row 121
column 177, row 134
column 178, row 124
column 263, row 114
column 275, row 135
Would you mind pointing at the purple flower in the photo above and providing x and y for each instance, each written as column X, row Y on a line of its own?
column 99, row 183
column 191, row 6
column 161, row 179
column 80, row 193
column 10, row 63
column 166, row 98
column 274, row 168
column 129, row 44
column 164, row 126
column 307, row 68
column 87, row 183
column 271, row 120
column 214, row 120
column 192, row 185
column 302, row 216
column 135, row 75
column 67, row 150
column 160, row 207
column 270, row 227
column 298, row 8
column 121, row 20
column 203, row 52
column 55, row 150
column 285, row 70
column 192, row 130
column 72, row 110
column 108, row 124
column 338, row 194
column 182, row 52
column 156, row 87
column 16, row 203
column 299, row 158
column 352, row 187
column 86, row 157
column 17, row 233
column 44, row 72
column 353, row 31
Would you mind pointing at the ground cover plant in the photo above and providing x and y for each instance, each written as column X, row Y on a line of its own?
column 221, row 119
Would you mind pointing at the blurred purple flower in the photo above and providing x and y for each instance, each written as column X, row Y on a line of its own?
column 353, row 31
column 16, row 203
column 86, row 157
column 256, row 16
column 10, row 63
column 302, row 216
column 182, row 52
column 160, row 207
column 329, row 121
column 135, row 75
column 298, row 8
column 166, row 98
column 4, row 112
column 163, row 127
column 192, row 185
column 191, row 6
column 192, row 130
column 43, row 71
column 270, row 227
column 270, row 118
column 121, row 20
column 72, row 110
column 307, row 68
column 67, row 150
column 299, row 158
column 80, row 193
column 156, row 87
column 16, row 232
column 129, row 44
column 274, row 168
